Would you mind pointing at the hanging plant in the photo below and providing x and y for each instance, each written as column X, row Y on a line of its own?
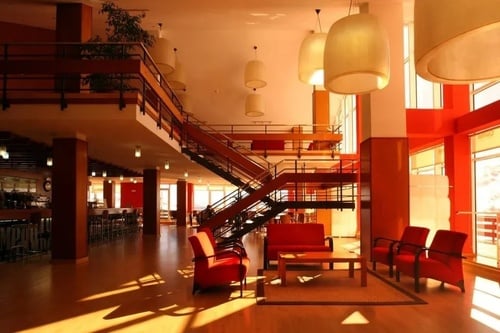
column 121, row 27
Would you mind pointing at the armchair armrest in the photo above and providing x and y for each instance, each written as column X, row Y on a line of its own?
column 419, row 248
column 237, row 253
column 330, row 242
column 381, row 239
column 451, row 254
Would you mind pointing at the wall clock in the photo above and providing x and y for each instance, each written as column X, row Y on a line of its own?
column 47, row 185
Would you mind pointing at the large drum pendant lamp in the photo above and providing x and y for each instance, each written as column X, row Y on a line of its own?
column 457, row 41
column 177, row 79
column 162, row 53
column 311, row 54
column 356, row 59
column 255, row 73
column 254, row 105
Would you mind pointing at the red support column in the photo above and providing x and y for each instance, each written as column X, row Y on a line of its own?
column 69, row 200
column 151, row 202
column 458, row 169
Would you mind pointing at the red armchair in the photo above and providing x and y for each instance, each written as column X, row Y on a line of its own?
column 384, row 249
column 211, row 270
column 441, row 261
column 224, row 249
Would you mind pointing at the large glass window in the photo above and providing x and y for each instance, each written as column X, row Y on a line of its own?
column 484, row 94
column 419, row 93
column 486, row 167
column 428, row 162
column 346, row 119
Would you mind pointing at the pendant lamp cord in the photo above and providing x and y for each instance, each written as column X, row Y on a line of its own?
column 319, row 21
column 352, row 2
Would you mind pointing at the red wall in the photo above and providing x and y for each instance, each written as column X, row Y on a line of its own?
column 131, row 195
column 11, row 32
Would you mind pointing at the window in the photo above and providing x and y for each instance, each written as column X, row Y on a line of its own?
column 419, row 93
column 484, row 94
column 346, row 118
column 428, row 162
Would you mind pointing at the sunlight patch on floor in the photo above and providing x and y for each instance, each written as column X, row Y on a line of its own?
column 145, row 281
column 486, row 303
column 355, row 318
column 216, row 313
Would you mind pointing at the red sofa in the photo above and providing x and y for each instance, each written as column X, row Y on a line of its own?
column 294, row 237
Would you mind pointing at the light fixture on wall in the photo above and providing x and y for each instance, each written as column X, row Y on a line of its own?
column 4, row 153
column 177, row 79
column 104, row 174
column 121, row 177
column 186, row 174
column 92, row 173
column 167, row 165
column 356, row 59
column 459, row 42
column 161, row 52
column 254, row 105
column 50, row 162
column 137, row 152
column 311, row 53
column 255, row 73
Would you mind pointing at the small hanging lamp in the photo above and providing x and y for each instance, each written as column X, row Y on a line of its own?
column 177, row 79
column 311, row 54
column 161, row 52
column 254, row 105
column 356, row 55
column 186, row 102
column 457, row 41
column 255, row 73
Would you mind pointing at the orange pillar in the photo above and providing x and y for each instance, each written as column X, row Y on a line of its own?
column 151, row 202
column 69, row 200
column 321, row 110
column 190, row 198
column 109, row 193
column 384, row 185
column 73, row 24
column 181, row 202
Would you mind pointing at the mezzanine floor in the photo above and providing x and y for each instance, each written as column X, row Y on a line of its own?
column 139, row 284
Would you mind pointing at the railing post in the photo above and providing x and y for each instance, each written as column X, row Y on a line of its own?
column 5, row 102
column 158, row 123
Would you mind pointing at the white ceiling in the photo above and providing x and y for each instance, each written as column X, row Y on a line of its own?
column 215, row 39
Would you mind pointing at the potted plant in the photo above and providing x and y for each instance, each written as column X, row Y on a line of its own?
column 121, row 27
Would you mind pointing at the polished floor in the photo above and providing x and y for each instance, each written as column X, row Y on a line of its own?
column 143, row 284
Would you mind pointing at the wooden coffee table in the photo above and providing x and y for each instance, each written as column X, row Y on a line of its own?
column 321, row 257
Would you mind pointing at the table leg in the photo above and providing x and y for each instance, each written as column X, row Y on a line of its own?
column 282, row 271
column 351, row 269
column 363, row 272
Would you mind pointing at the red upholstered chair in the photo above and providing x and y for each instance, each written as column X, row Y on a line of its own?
column 211, row 270
column 384, row 248
column 441, row 261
